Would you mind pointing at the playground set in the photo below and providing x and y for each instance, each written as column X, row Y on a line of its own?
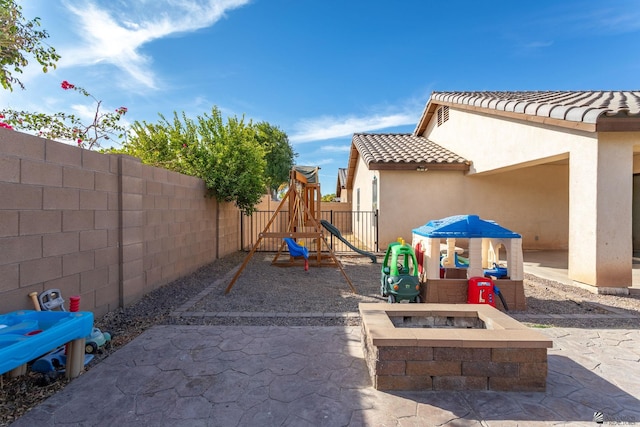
column 304, row 230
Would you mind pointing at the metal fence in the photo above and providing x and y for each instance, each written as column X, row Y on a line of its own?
column 359, row 228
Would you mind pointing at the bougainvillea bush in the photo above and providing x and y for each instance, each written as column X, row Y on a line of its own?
column 69, row 127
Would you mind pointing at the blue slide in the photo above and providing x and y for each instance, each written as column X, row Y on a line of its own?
column 333, row 230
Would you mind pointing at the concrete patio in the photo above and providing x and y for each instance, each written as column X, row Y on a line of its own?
column 553, row 265
column 313, row 376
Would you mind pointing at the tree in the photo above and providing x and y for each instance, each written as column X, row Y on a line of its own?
column 68, row 127
column 329, row 197
column 231, row 161
column 227, row 156
column 17, row 38
column 168, row 145
column 279, row 155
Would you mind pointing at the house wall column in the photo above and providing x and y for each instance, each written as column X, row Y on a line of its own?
column 600, row 204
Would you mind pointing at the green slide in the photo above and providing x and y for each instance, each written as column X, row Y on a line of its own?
column 333, row 230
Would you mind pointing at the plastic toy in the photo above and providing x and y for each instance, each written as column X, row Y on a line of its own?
column 399, row 276
column 96, row 340
column 51, row 300
column 28, row 334
column 459, row 261
column 55, row 361
column 296, row 250
column 497, row 271
column 336, row 232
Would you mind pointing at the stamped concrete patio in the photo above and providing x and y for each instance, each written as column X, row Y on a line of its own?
column 315, row 376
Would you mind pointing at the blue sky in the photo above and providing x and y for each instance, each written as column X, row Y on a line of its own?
column 322, row 70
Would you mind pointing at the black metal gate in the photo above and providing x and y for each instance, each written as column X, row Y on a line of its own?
column 358, row 228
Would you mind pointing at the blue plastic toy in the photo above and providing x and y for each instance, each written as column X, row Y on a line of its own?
column 55, row 362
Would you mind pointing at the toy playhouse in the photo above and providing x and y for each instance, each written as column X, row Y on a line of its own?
column 491, row 251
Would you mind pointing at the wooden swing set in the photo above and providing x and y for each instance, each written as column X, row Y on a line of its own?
column 303, row 197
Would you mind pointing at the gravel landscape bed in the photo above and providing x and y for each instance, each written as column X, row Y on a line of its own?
column 269, row 295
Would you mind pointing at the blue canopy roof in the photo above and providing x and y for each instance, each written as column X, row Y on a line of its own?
column 464, row 227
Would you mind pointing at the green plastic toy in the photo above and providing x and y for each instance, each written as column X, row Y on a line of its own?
column 399, row 276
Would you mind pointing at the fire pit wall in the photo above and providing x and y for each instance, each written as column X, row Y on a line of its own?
column 451, row 347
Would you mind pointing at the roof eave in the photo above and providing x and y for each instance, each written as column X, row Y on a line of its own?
column 620, row 123
column 428, row 112
column 351, row 168
column 414, row 166
column 583, row 126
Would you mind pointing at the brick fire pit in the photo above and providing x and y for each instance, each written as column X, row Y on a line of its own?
column 451, row 347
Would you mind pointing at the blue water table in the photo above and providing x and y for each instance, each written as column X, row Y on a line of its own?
column 28, row 334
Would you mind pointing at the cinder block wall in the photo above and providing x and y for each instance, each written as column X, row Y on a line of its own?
column 101, row 226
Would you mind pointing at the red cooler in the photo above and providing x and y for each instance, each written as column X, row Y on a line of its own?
column 480, row 291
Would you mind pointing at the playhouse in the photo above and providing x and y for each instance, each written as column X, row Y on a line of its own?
column 490, row 251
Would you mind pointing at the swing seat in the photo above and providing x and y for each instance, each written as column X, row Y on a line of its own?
column 296, row 250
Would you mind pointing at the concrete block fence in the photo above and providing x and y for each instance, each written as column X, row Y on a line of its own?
column 102, row 226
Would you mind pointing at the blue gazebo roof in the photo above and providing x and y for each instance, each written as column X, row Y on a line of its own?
column 464, row 227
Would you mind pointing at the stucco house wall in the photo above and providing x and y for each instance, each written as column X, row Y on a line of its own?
column 409, row 199
column 557, row 167
column 362, row 195
column 498, row 143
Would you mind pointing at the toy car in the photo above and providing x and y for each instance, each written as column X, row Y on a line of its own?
column 399, row 276
column 96, row 340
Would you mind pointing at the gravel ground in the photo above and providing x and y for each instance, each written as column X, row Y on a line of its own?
column 268, row 295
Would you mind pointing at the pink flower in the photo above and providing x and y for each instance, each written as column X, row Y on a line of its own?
column 66, row 85
column 121, row 110
column 6, row 126
column 79, row 142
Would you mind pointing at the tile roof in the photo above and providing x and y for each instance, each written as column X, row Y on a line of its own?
column 404, row 152
column 585, row 107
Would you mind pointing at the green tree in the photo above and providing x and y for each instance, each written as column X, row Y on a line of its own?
column 231, row 161
column 279, row 155
column 19, row 37
column 164, row 144
column 329, row 197
column 227, row 156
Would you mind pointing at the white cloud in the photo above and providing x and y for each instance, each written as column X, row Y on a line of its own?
column 615, row 20
column 336, row 148
column 116, row 35
column 538, row 44
column 326, row 127
column 84, row 112
column 315, row 162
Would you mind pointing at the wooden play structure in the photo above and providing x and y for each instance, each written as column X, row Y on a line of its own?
column 303, row 199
